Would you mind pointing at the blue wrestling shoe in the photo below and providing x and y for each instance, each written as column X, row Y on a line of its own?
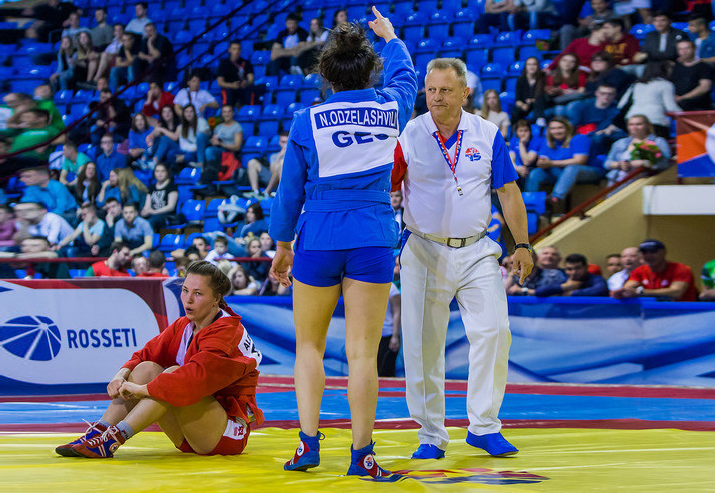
column 94, row 429
column 307, row 454
column 425, row 451
column 101, row 446
column 362, row 463
column 494, row 443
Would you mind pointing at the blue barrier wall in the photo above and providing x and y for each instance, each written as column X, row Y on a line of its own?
column 584, row 340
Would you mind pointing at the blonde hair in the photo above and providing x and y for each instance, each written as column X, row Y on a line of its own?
column 569, row 132
column 485, row 106
column 126, row 178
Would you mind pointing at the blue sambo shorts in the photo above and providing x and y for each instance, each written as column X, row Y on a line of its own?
column 325, row 268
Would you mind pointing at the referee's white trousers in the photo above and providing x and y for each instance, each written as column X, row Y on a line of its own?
column 432, row 275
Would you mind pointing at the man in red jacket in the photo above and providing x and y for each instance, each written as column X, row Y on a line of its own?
column 197, row 380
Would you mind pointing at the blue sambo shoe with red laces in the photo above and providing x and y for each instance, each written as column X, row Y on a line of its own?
column 362, row 463
column 307, row 454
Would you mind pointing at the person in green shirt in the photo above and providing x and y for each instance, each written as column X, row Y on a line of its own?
column 72, row 162
column 708, row 277
column 43, row 97
column 36, row 130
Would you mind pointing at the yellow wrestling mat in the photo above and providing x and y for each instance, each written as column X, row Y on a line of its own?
column 553, row 460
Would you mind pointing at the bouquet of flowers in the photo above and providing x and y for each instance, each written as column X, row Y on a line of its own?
column 646, row 151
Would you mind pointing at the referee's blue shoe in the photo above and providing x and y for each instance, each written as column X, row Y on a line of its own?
column 494, row 443
column 427, row 451
column 307, row 454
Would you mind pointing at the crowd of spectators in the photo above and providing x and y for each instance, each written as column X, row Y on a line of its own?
column 579, row 119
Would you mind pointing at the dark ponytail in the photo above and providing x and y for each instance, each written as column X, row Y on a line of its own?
column 348, row 59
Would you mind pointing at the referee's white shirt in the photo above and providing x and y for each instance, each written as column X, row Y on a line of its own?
column 431, row 200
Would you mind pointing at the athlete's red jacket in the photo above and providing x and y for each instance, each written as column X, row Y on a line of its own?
column 220, row 361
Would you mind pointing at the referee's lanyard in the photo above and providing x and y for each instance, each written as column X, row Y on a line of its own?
column 445, row 153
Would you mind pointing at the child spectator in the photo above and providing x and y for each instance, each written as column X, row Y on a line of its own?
column 220, row 250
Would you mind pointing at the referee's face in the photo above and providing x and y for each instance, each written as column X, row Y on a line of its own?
column 445, row 94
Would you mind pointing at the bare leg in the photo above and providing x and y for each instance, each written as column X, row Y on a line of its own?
column 144, row 373
column 312, row 309
column 276, row 170
column 365, row 308
column 91, row 69
column 102, row 68
column 254, row 167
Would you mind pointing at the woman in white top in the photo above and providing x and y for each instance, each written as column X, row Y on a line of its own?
column 491, row 111
column 193, row 137
column 652, row 96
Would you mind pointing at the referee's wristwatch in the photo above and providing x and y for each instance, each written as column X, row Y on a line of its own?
column 523, row 245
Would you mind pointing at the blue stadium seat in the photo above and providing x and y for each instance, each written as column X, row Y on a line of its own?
column 504, row 55
column 183, row 37
column 274, row 145
column 313, row 80
column 463, row 24
column 438, row 26
column 85, row 96
column 355, row 10
column 491, row 84
column 492, row 71
column 291, row 80
column 170, row 86
column 535, row 201
column 260, row 57
column 510, row 86
column 292, row 108
column 402, row 10
column 476, row 58
column 285, row 96
column 268, row 127
column 270, row 81
column 516, row 68
column 534, row 35
column 247, row 156
column 190, row 239
column 481, row 41
column 171, row 242
column 426, row 46
column 193, row 210
column 508, row 38
column 529, row 51
column 452, row 48
column 427, row 5
column 273, row 31
column 255, row 144
column 309, row 95
column 188, row 176
column 249, row 113
column 413, row 34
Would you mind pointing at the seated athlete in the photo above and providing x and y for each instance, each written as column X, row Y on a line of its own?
column 196, row 380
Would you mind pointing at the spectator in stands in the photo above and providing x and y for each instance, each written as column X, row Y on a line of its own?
column 708, row 278
column 36, row 130
column 139, row 264
column 496, row 13
column 627, row 9
column 138, row 137
column 115, row 265
column 18, row 104
column 156, row 55
column 595, row 118
column 529, row 97
column 593, row 15
column 523, row 150
column 241, row 283
column 156, row 265
column 630, row 258
column 109, row 158
column 73, row 28
column 256, row 270
column 268, row 245
column 38, row 247
column 659, row 278
column 661, row 43
column 340, row 17
column 475, row 98
column 7, row 227
column 123, row 70
column 704, row 38
column 532, row 14
column 63, row 78
column 613, row 264
column 220, row 250
column 72, row 162
column 235, row 77
column 193, row 95
column 562, row 159
column 692, row 79
column 227, row 138
column 539, row 278
column 86, row 235
column 604, row 71
column 51, row 16
column 156, row 99
column 106, row 59
column 193, row 137
column 112, row 211
column 267, row 172
column 579, row 283
column 123, row 186
column 491, row 111
column 85, row 59
column 583, row 48
column 310, row 49
column 201, row 245
column 111, row 117
column 549, row 257
column 160, row 205
column 88, row 184
column 138, row 24
column 40, row 188
column 162, row 145
column 133, row 230
column 34, row 220
column 620, row 160
column 255, row 221
column 287, row 47
column 43, row 97
column 102, row 34
column 619, row 43
column 652, row 96
column 566, row 84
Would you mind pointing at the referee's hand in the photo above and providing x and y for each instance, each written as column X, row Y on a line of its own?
column 382, row 26
column 522, row 263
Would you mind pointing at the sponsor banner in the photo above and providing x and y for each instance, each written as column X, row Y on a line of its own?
column 695, row 143
column 76, row 332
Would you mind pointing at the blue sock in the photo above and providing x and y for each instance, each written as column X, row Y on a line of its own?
column 126, row 430
column 104, row 423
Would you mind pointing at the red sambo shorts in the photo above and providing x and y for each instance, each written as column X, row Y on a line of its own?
column 232, row 442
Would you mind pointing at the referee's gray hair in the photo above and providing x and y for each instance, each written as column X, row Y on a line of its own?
column 459, row 67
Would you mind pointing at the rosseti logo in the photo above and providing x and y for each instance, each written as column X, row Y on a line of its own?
column 32, row 337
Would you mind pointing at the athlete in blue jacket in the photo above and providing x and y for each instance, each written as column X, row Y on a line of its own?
column 334, row 195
